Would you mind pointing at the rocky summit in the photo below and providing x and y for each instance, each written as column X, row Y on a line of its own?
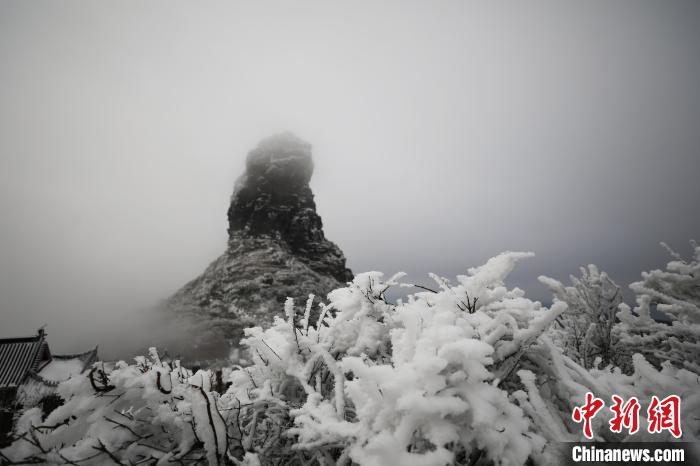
column 276, row 249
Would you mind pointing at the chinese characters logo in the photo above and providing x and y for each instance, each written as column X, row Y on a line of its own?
column 662, row 415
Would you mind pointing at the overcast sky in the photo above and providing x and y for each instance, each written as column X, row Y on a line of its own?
column 443, row 133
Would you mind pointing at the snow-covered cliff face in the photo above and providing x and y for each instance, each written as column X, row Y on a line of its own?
column 276, row 249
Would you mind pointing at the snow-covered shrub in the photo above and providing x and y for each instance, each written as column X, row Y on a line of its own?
column 146, row 412
column 585, row 330
column 674, row 291
column 465, row 373
column 554, row 384
column 649, row 358
column 419, row 382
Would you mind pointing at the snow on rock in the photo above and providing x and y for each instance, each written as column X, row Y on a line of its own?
column 276, row 250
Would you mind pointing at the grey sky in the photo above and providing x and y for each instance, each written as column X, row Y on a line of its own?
column 443, row 133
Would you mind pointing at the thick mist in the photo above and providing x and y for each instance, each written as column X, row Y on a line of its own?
column 443, row 133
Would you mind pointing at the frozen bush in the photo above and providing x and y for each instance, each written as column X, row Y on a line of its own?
column 408, row 383
column 147, row 411
column 585, row 330
column 675, row 292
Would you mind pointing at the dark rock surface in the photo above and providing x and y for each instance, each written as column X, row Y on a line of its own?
column 273, row 199
column 276, row 249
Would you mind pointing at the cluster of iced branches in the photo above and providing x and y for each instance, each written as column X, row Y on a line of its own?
column 585, row 330
column 600, row 345
column 419, row 382
column 465, row 373
column 150, row 412
column 675, row 292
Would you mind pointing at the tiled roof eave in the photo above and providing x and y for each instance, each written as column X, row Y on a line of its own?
column 49, row 383
column 17, row 357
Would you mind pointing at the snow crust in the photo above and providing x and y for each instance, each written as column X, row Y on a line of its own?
column 61, row 369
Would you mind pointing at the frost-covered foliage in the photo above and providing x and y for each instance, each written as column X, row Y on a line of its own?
column 412, row 383
column 585, row 330
column 596, row 349
column 466, row 373
column 554, row 383
column 674, row 291
column 149, row 411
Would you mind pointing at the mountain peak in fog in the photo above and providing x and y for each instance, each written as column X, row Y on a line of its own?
column 276, row 249
column 279, row 162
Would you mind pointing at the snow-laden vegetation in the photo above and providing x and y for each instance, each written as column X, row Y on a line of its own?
column 470, row 372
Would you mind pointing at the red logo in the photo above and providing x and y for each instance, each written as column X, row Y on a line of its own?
column 665, row 415
column 662, row 415
column 587, row 412
column 626, row 415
